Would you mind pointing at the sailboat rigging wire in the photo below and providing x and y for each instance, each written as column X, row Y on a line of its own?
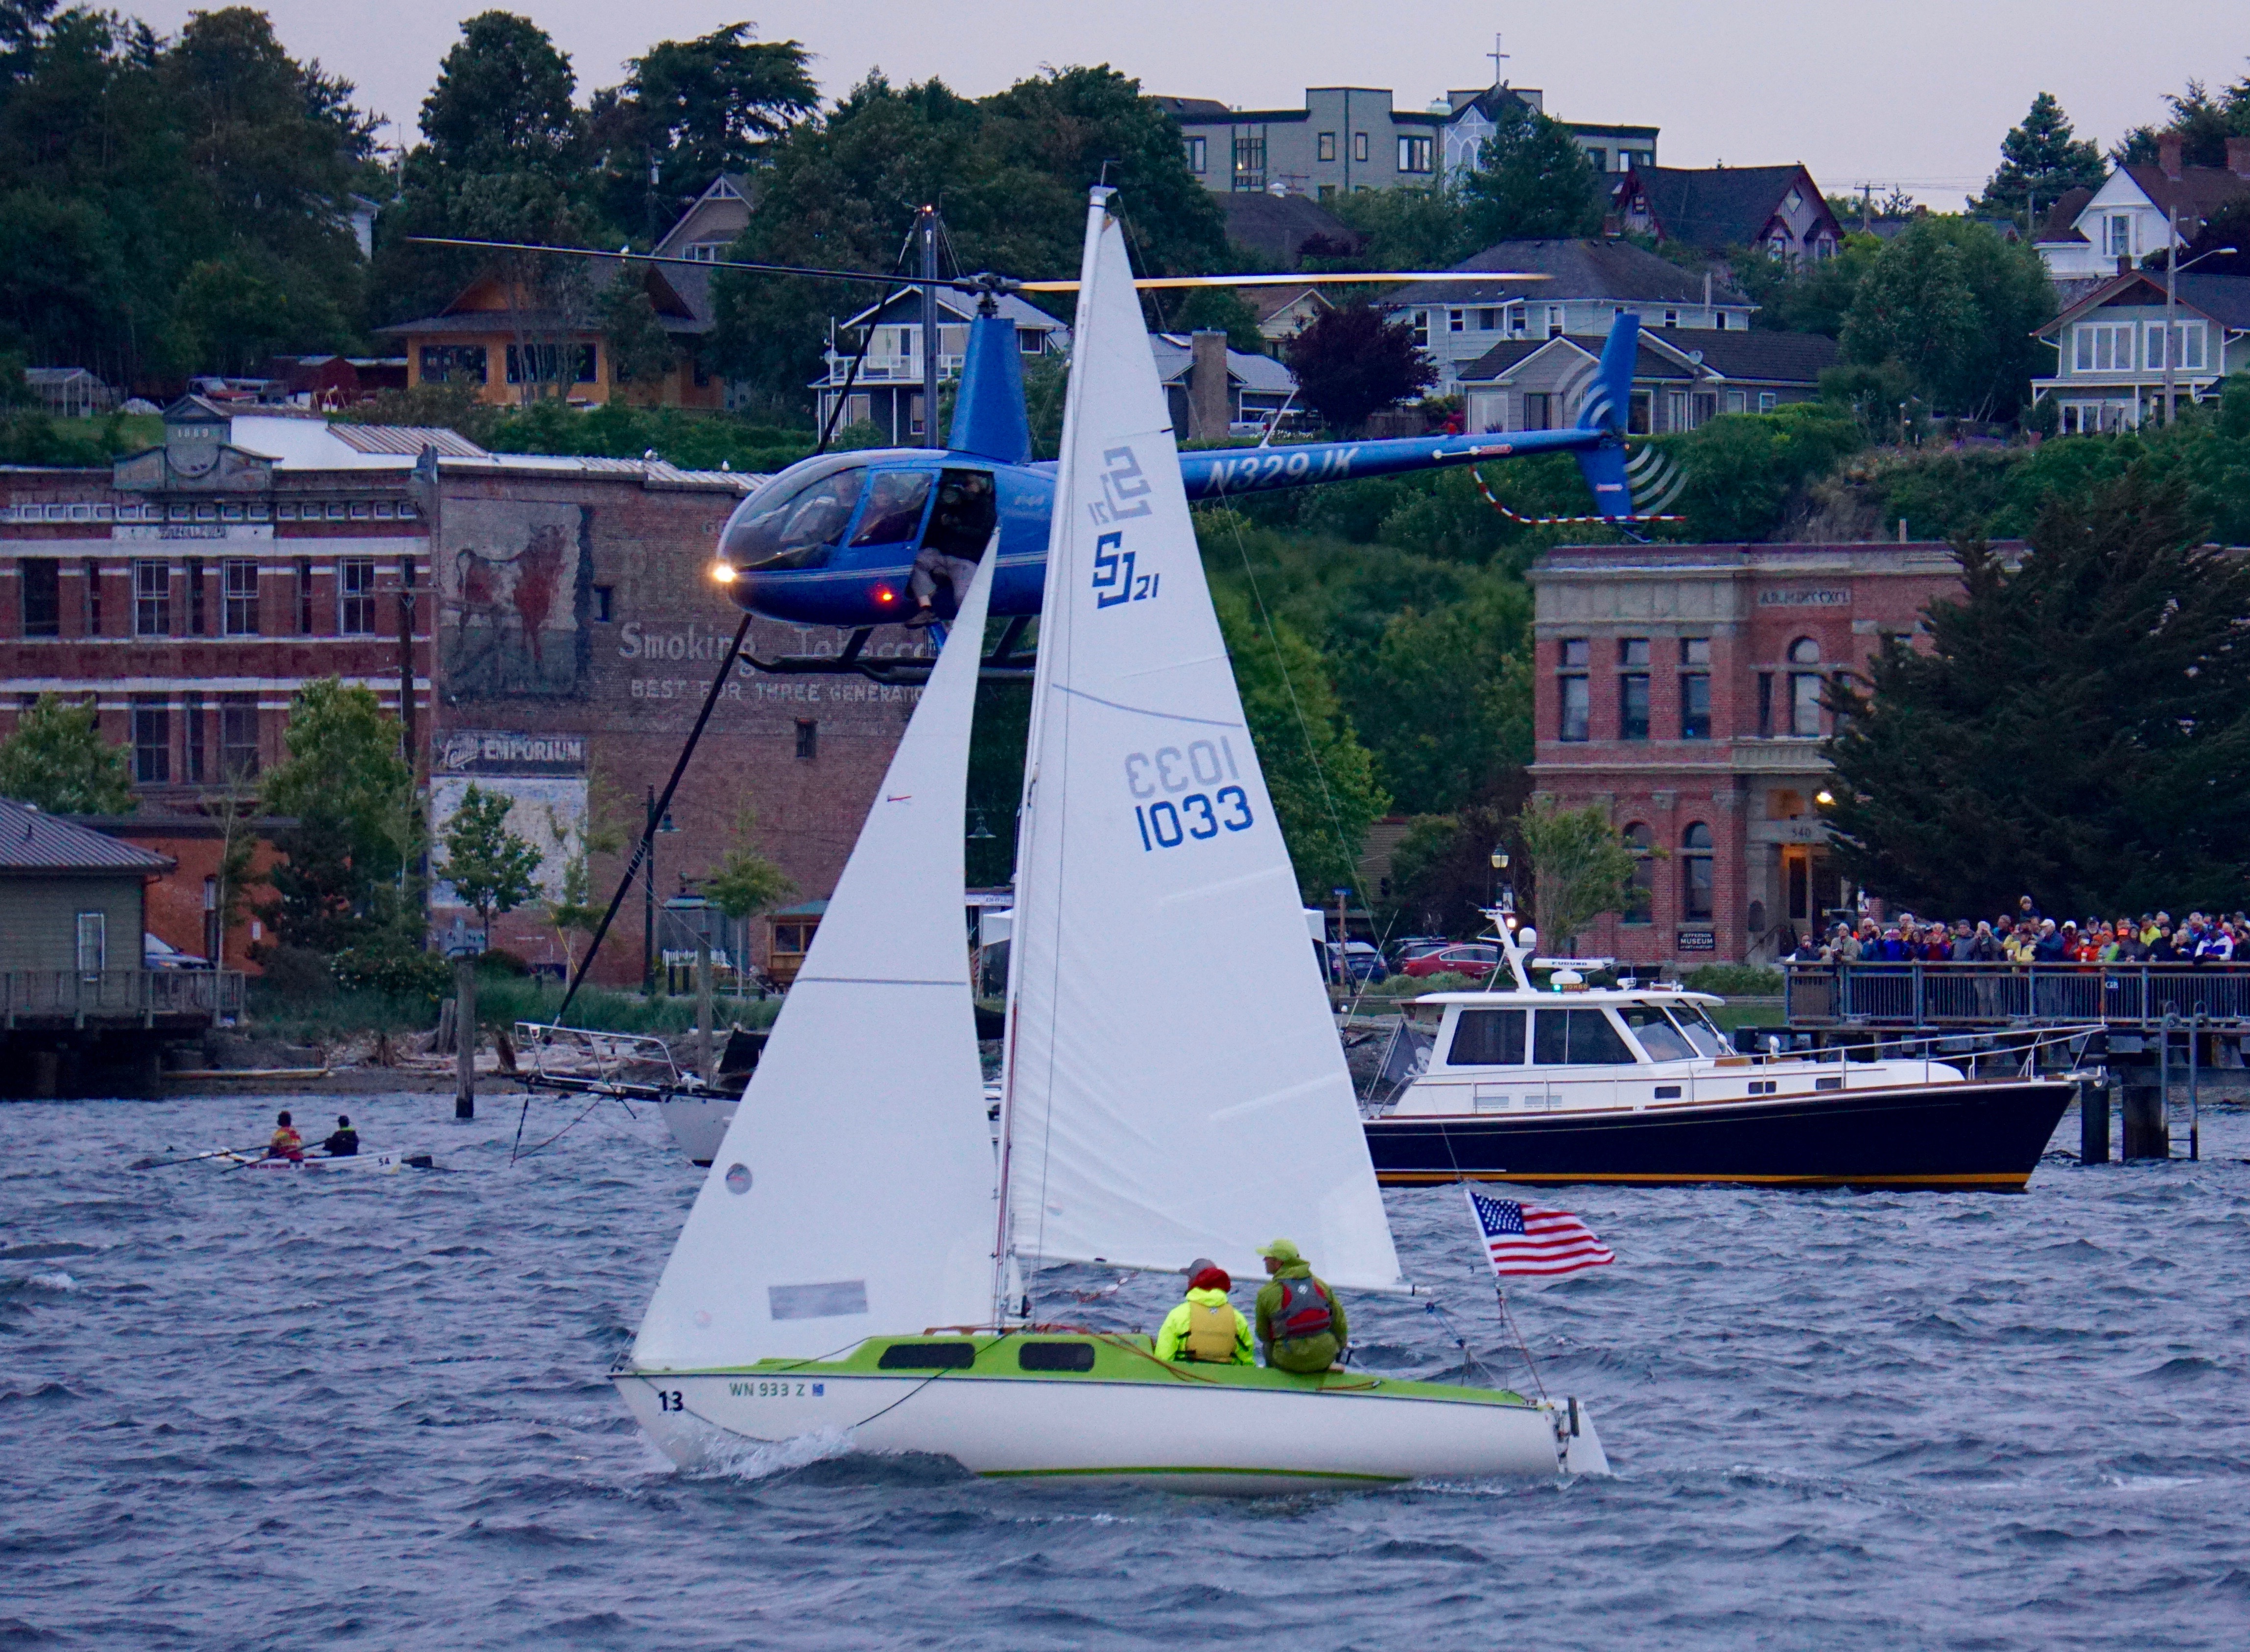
column 1304, row 728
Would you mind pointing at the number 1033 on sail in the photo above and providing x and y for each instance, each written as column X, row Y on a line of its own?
column 1202, row 815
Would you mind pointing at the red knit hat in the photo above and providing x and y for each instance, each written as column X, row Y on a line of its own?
column 1211, row 1279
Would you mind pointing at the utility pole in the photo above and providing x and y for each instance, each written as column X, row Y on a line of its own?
column 2171, row 299
column 648, row 906
column 928, row 232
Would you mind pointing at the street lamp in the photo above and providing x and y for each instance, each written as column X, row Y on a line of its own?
column 2172, row 268
column 1824, row 797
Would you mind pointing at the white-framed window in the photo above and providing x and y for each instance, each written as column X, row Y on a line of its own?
column 1421, row 329
column 1554, row 321
column 1672, row 318
column 93, row 943
column 2117, row 235
column 2187, row 346
column 152, row 599
column 240, row 586
column 2104, row 347
column 356, row 597
column 1768, row 400
column 1456, row 320
column 1414, row 154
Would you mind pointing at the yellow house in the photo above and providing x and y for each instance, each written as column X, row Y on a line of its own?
column 513, row 345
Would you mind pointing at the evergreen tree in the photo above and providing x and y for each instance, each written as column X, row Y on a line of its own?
column 2202, row 123
column 1532, row 182
column 2077, row 727
column 2041, row 161
column 57, row 760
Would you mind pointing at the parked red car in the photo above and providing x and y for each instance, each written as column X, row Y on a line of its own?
column 1463, row 957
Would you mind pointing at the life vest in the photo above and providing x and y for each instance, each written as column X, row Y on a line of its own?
column 1306, row 1309
column 1210, row 1334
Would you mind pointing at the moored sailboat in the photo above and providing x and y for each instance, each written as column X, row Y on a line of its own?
column 1173, row 1084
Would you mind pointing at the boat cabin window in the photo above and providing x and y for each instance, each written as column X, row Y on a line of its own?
column 895, row 499
column 1663, row 1041
column 927, row 1356
column 796, row 522
column 1487, row 1038
column 1577, row 1037
column 1055, row 1356
column 1699, row 1029
column 962, row 524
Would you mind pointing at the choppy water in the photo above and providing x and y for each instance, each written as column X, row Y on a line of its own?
column 247, row 1410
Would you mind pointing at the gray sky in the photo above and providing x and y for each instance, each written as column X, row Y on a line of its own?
column 1912, row 91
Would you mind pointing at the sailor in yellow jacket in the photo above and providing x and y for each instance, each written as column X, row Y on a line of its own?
column 1206, row 1328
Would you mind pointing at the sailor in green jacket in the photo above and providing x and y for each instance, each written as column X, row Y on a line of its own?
column 1206, row 1328
column 1300, row 1320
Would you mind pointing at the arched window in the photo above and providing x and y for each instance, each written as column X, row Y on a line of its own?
column 1695, row 874
column 1641, row 896
column 1804, row 690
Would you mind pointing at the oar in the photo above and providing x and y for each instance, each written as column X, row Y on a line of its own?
column 194, row 1158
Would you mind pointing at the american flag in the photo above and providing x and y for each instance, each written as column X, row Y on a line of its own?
column 1523, row 1239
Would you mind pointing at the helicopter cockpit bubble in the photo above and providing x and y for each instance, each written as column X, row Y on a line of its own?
column 796, row 520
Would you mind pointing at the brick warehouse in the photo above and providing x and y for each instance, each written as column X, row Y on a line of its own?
column 1677, row 688
column 193, row 589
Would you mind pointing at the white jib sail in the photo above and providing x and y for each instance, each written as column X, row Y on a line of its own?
column 1174, row 1084
column 854, row 1193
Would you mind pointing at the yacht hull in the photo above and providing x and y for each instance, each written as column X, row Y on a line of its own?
column 1971, row 1137
column 699, row 1123
column 1189, row 1435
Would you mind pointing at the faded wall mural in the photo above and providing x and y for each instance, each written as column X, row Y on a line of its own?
column 514, row 578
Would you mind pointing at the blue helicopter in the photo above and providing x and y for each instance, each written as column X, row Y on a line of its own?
column 833, row 539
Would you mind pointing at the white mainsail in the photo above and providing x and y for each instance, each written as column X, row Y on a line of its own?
column 853, row 1192
column 1175, row 1085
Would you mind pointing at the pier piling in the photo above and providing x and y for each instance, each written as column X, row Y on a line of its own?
column 2093, row 1122
column 464, row 1039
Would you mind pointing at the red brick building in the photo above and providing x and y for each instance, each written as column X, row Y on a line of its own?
column 564, row 635
column 1678, row 689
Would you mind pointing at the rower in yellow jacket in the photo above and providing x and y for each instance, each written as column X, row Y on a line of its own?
column 1206, row 1328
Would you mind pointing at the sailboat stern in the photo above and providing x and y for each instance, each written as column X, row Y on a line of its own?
column 1579, row 1448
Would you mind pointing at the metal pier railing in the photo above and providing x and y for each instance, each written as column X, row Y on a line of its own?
column 1970, row 996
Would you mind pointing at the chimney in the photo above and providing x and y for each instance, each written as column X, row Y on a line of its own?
column 2124, row 263
column 1207, row 401
column 2238, row 157
column 2168, row 155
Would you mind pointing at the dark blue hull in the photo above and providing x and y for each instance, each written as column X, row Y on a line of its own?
column 1972, row 1137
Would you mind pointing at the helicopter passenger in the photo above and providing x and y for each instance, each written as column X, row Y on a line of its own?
column 960, row 527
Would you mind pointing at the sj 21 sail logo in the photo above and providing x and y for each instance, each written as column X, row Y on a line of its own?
column 1167, row 823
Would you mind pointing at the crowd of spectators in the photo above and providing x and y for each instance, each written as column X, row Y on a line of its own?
column 2027, row 936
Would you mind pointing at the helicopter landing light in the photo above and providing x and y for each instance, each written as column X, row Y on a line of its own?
column 723, row 573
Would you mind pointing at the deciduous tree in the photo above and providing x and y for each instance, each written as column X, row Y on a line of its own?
column 1532, row 182
column 1958, row 308
column 1351, row 363
column 492, row 868
column 57, row 760
column 1580, row 868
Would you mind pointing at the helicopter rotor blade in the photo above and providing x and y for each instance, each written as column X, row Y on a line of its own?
column 1161, row 281
column 871, row 277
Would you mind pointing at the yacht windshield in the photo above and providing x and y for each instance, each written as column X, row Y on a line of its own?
column 1658, row 1036
column 1699, row 1029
